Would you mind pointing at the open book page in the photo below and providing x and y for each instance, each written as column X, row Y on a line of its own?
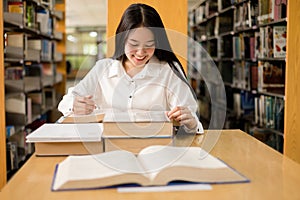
column 111, row 168
column 52, row 132
column 167, row 163
column 155, row 165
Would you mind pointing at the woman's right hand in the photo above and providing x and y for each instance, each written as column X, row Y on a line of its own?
column 83, row 105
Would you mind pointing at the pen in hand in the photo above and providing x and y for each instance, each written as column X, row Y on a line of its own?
column 183, row 116
column 83, row 105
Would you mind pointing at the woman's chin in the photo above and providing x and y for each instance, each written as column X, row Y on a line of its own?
column 139, row 63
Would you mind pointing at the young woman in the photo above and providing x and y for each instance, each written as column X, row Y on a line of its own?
column 143, row 74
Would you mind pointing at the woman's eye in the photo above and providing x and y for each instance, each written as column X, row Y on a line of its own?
column 133, row 45
column 149, row 45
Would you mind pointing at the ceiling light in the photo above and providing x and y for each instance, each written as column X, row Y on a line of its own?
column 71, row 38
column 93, row 34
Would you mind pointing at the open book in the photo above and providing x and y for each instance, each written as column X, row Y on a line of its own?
column 154, row 165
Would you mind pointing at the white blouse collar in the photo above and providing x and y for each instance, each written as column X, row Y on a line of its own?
column 151, row 69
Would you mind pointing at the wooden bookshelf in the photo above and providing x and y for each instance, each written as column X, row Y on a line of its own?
column 61, row 47
column 47, row 85
column 291, row 145
column 292, row 89
column 2, row 108
column 219, row 26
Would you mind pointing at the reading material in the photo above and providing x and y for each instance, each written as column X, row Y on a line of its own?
column 94, row 117
column 134, row 131
column 67, row 139
column 137, row 125
column 154, row 165
column 134, row 145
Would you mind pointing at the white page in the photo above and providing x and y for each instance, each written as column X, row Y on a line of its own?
column 155, row 158
column 67, row 132
column 98, row 166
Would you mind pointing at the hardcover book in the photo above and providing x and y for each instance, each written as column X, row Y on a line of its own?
column 67, row 139
column 94, row 117
column 154, row 165
column 136, row 130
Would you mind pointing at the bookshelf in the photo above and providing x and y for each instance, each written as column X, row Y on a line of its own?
column 246, row 39
column 2, row 109
column 31, row 74
column 292, row 91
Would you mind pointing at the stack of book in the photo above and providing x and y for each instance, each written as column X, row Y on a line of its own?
column 84, row 134
column 135, row 131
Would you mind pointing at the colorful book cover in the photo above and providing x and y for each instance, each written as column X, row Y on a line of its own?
column 279, row 41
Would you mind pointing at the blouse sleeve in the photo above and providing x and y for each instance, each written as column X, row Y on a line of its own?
column 180, row 94
column 85, row 87
column 65, row 106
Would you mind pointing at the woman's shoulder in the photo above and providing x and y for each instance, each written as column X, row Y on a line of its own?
column 165, row 66
column 105, row 63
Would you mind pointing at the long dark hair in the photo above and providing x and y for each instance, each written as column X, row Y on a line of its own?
column 142, row 15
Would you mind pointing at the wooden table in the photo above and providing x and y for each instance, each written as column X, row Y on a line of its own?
column 272, row 175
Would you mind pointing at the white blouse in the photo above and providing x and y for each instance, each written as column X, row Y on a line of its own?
column 155, row 88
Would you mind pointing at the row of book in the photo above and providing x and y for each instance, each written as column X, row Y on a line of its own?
column 21, row 46
column 17, row 149
column 32, row 14
column 268, row 111
column 268, row 42
column 252, row 76
column 246, row 13
column 30, row 77
column 22, row 109
column 252, row 13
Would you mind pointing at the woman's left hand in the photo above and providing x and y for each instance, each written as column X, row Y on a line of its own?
column 184, row 116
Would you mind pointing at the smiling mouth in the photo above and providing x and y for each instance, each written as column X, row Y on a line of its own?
column 140, row 58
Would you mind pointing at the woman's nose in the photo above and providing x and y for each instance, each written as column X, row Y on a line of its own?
column 140, row 50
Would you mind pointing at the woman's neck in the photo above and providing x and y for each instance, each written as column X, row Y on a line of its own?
column 130, row 69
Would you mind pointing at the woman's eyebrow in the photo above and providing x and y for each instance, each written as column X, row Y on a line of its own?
column 133, row 40
column 150, row 41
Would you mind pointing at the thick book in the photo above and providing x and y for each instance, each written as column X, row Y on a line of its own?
column 154, row 165
column 94, row 117
column 136, row 130
column 137, row 124
column 67, row 139
column 134, row 145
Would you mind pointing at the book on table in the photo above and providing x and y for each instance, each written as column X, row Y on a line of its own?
column 94, row 117
column 134, row 131
column 67, row 139
column 154, row 165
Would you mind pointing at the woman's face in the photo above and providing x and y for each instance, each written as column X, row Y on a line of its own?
column 140, row 46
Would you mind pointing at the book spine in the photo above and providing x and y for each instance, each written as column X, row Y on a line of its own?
column 279, row 42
